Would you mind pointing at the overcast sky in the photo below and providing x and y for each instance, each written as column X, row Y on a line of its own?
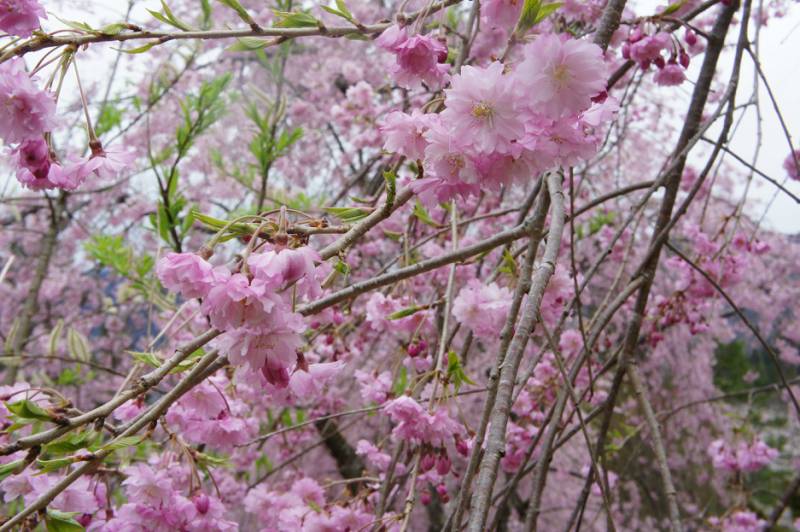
column 780, row 43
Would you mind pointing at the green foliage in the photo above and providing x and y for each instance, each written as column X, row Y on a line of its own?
column 296, row 19
column 400, row 382
column 342, row 11
column 199, row 111
column 533, row 12
column 28, row 411
column 57, row 521
column 422, row 215
column 349, row 214
column 110, row 117
column 732, row 363
column 455, row 371
column 167, row 17
column 405, row 312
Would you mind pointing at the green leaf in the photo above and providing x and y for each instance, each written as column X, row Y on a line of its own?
column 57, row 521
column 55, row 336
column 110, row 117
column 26, row 409
column 46, row 466
column 422, row 214
column 139, row 49
column 70, row 443
column 405, row 312
column 78, row 345
column 169, row 18
column 240, row 10
column 400, row 382
column 455, row 371
column 11, row 468
column 249, row 44
column 113, row 29
column 349, row 214
column 509, row 263
column 342, row 267
column 121, row 443
column 672, row 8
column 533, row 12
column 295, row 19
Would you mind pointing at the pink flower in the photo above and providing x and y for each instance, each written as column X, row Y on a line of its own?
column 25, row 110
column 447, row 156
column 671, row 74
column 281, row 268
column 560, row 77
column 110, row 163
column 501, row 13
column 146, row 485
column 790, row 164
column 480, row 101
column 404, row 133
column 571, row 343
column 743, row 521
column 308, row 384
column 648, row 49
column 233, row 301
column 482, row 308
column 276, row 346
column 374, row 388
column 415, row 424
column 186, row 273
column 20, row 17
column 420, row 58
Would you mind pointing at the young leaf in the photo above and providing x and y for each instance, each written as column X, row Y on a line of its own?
column 403, row 313
column 240, row 10
column 348, row 214
column 422, row 214
column 26, row 409
column 295, row 19
column 78, row 345
column 10, row 468
column 55, row 336
column 455, row 371
column 57, row 521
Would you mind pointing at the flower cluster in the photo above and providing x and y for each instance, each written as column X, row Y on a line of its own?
column 647, row 50
column 483, row 308
column 521, row 123
column 158, row 502
column 303, row 507
column 255, row 308
column 419, row 59
column 20, row 17
column 416, row 425
column 743, row 457
column 27, row 115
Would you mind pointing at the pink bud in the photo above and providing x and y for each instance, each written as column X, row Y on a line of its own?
column 425, row 498
column 443, row 464
column 413, row 350
column 441, row 490
column 626, row 51
column 691, row 38
column 684, row 59
column 659, row 62
column 461, row 447
column 427, row 462
column 202, row 503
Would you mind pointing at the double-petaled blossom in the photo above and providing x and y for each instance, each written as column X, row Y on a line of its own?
column 282, row 268
column 480, row 101
column 501, row 13
column 419, row 59
column 482, row 308
column 26, row 111
column 416, row 425
column 186, row 273
column 672, row 74
column 559, row 76
column 36, row 170
column 20, row 17
column 741, row 457
column 404, row 133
